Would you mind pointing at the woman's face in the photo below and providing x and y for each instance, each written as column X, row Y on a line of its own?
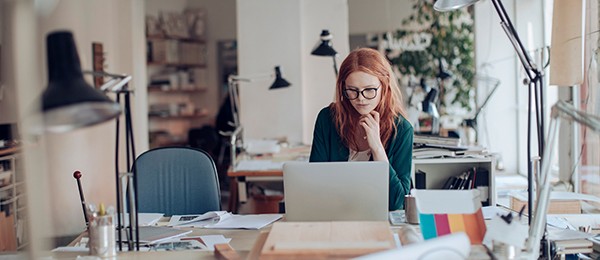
column 363, row 91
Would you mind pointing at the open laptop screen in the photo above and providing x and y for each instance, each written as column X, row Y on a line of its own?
column 336, row 191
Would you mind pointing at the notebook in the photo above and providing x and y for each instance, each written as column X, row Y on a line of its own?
column 336, row 191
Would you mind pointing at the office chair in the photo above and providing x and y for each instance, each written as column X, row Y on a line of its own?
column 177, row 181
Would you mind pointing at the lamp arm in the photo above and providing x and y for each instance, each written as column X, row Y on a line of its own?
column 538, row 223
column 487, row 99
column 234, row 95
column 116, row 84
column 233, row 99
column 569, row 112
column 532, row 71
column 250, row 78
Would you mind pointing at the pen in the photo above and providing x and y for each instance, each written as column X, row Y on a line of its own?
column 101, row 209
column 77, row 176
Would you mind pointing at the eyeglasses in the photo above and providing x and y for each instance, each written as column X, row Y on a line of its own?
column 368, row 93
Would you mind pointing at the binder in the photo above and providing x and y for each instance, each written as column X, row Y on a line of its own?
column 420, row 180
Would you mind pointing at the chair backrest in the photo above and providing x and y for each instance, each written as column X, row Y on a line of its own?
column 177, row 181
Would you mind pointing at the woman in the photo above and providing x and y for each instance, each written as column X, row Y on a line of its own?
column 367, row 121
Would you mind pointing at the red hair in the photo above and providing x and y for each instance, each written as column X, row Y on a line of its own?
column 390, row 107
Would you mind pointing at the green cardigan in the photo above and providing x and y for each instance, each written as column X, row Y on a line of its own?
column 327, row 146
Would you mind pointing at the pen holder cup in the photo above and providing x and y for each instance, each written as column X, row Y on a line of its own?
column 410, row 210
column 102, row 236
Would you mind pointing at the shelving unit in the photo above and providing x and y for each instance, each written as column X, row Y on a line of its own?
column 177, row 77
column 12, row 203
column 440, row 169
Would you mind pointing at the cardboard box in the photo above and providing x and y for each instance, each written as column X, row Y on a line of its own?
column 443, row 212
column 556, row 206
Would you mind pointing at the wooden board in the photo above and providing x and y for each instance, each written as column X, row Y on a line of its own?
column 326, row 240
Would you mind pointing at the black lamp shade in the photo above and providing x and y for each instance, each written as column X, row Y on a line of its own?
column 325, row 47
column 429, row 101
column 442, row 73
column 69, row 102
column 279, row 82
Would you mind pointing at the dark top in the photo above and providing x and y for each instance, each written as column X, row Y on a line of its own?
column 327, row 146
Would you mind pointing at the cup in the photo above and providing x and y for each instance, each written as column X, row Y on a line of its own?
column 102, row 236
column 410, row 210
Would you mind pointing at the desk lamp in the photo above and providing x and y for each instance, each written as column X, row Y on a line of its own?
column 325, row 48
column 233, row 80
column 472, row 122
column 534, row 82
column 69, row 103
column 561, row 110
column 428, row 105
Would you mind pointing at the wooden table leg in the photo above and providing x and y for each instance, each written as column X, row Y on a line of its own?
column 233, row 195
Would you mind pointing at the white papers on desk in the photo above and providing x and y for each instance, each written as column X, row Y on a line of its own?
column 567, row 234
column 256, row 146
column 224, row 220
column 258, row 165
column 211, row 240
column 246, row 221
column 71, row 249
column 490, row 211
column 153, row 234
column 145, row 219
column 560, row 195
column 573, row 221
column 198, row 220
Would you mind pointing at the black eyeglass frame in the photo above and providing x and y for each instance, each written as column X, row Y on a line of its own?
column 361, row 92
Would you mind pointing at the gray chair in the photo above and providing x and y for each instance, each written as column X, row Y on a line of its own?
column 177, row 181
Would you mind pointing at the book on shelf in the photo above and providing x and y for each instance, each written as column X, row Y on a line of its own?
column 472, row 178
column 595, row 243
column 437, row 152
column 574, row 246
column 435, row 139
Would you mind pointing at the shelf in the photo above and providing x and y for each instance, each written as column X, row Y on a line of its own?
column 178, row 117
column 183, row 39
column 9, row 150
column 175, row 64
column 158, row 89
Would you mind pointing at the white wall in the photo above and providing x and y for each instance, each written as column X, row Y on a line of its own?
column 8, row 112
column 495, row 57
column 368, row 16
column 117, row 24
column 286, row 37
column 317, row 72
column 23, row 55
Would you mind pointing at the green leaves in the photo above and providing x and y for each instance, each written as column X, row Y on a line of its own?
column 452, row 42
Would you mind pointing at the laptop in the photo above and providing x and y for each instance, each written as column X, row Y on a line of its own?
column 336, row 191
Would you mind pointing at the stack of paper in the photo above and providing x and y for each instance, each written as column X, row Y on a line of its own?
column 145, row 219
column 153, row 235
column 223, row 220
column 198, row 220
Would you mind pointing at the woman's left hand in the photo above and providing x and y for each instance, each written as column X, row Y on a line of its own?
column 370, row 123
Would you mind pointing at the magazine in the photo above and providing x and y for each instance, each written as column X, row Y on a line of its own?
column 196, row 220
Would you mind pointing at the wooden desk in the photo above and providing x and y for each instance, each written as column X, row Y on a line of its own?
column 241, row 240
column 239, row 178
column 237, row 184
